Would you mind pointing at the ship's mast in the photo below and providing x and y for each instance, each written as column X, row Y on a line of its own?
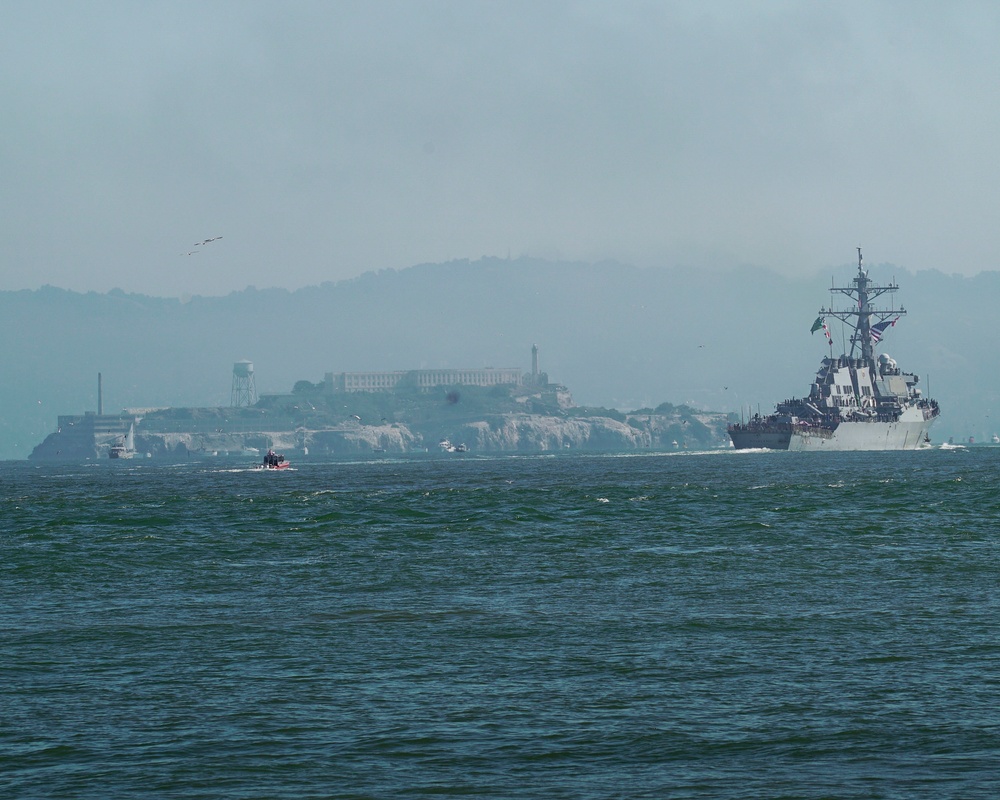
column 859, row 318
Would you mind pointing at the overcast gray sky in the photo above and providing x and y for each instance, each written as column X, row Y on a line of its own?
column 324, row 139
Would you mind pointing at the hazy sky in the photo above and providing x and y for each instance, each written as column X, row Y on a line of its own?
column 324, row 139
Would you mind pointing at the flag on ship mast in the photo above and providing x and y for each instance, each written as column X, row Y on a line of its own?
column 879, row 329
column 821, row 323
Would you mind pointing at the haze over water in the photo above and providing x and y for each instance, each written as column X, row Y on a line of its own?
column 322, row 140
column 724, row 625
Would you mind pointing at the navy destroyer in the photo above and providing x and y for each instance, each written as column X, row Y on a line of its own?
column 857, row 401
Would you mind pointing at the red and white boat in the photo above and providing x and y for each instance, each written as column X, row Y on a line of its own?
column 274, row 461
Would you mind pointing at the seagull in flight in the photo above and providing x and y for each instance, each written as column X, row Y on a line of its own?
column 192, row 253
column 208, row 241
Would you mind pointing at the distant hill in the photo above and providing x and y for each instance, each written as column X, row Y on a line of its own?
column 615, row 335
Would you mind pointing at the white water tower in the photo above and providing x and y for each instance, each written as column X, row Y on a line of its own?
column 244, row 387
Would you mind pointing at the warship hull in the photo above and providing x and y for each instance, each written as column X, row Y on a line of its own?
column 904, row 434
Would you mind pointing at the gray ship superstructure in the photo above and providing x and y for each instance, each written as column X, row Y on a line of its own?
column 857, row 401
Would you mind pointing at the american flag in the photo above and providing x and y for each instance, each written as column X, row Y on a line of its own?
column 879, row 329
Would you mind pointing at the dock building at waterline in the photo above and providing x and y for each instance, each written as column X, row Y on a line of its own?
column 90, row 434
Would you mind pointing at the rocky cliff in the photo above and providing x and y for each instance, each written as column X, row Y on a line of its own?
column 501, row 433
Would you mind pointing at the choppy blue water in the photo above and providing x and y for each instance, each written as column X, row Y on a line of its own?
column 724, row 625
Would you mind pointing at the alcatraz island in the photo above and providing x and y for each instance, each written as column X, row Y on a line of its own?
column 486, row 410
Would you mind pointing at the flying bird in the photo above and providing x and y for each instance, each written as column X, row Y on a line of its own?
column 208, row 241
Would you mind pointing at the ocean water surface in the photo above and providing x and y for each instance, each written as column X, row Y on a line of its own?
column 714, row 625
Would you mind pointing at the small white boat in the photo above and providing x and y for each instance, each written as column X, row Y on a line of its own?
column 448, row 447
column 126, row 447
